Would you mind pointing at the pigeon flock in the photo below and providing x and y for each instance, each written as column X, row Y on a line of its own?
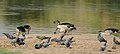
column 103, row 41
column 18, row 38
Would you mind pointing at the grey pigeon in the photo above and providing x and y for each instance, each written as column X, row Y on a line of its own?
column 13, row 40
column 67, row 42
column 38, row 46
column 45, row 43
column 9, row 36
column 100, row 38
column 20, row 41
column 103, row 46
column 59, row 39
column 116, row 41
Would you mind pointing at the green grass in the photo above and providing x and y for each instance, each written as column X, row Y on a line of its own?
column 5, row 51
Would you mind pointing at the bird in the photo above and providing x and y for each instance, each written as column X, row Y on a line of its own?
column 110, row 31
column 116, row 41
column 103, row 46
column 100, row 38
column 14, row 40
column 59, row 39
column 20, row 41
column 22, row 30
column 45, row 42
column 67, row 42
column 113, row 30
column 9, row 36
column 27, row 28
column 38, row 46
column 64, row 27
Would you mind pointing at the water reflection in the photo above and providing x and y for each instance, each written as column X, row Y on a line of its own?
column 88, row 15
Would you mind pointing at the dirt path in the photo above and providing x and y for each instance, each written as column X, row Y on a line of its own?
column 84, row 44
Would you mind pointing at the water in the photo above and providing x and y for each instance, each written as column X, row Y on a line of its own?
column 89, row 16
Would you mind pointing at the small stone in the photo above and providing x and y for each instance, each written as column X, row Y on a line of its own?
column 114, row 47
column 109, row 50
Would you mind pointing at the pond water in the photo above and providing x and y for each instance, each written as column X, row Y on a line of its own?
column 88, row 16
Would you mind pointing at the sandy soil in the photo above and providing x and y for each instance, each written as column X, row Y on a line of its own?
column 84, row 44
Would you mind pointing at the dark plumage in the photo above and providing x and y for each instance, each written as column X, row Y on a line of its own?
column 59, row 39
column 27, row 28
column 103, row 47
column 38, row 46
column 58, row 22
column 67, row 42
column 9, row 36
column 23, row 30
column 20, row 41
column 45, row 43
column 100, row 38
column 116, row 41
column 64, row 27
column 112, row 29
column 20, row 30
column 13, row 40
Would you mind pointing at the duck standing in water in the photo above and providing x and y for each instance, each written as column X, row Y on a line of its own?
column 64, row 27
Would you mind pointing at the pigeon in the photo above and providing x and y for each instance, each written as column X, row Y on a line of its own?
column 100, row 38
column 13, row 40
column 116, row 41
column 67, row 42
column 45, row 42
column 38, row 46
column 9, row 36
column 103, row 46
column 59, row 39
column 20, row 41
